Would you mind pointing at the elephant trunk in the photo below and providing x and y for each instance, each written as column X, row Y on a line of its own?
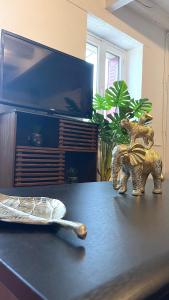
column 115, row 171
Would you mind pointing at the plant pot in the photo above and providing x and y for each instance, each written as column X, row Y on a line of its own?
column 73, row 179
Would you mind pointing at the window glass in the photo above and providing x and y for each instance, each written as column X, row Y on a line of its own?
column 111, row 69
column 92, row 57
column 109, row 63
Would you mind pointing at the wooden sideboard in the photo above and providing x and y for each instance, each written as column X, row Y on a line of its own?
column 66, row 143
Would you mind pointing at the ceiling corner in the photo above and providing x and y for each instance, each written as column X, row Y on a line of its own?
column 114, row 5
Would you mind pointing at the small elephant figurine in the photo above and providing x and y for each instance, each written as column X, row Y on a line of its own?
column 138, row 162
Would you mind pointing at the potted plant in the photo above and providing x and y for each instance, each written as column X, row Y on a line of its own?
column 108, row 111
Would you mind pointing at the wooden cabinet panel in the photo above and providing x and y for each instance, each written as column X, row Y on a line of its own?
column 7, row 148
column 5, row 294
column 23, row 164
column 75, row 136
column 39, row 166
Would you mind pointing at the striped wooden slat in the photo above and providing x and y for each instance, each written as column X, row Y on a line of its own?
column 34, row 155
column 38, row 183
column 77, row 136
column 77, row 139
column 78, row 149
column 72, row 122
column 35, row 174
column 39, row 149
column 21, row 169
column 40, row 160
column 77, row 130
column 22, row 179
column 67, row 142
column 39, row 166
column 28, row 164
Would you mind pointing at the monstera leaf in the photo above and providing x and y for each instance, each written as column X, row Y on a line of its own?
column 137, row 154
column 101, row 103
column 120, row 135
column 139, row 107
column 118, row 95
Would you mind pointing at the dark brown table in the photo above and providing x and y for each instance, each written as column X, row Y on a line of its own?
column 125, row 254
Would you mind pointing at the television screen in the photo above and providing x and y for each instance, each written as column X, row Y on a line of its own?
column 36, row 76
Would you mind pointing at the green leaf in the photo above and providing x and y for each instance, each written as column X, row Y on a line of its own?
column 101, row 103
column 97, row 118
column 118, row 95
column 139, row 107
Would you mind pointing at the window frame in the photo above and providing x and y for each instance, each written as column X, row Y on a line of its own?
column 103, row 47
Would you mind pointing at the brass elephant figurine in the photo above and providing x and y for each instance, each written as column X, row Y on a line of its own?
column 138, row 162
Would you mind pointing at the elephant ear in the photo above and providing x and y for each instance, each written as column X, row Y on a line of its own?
column 137, row 154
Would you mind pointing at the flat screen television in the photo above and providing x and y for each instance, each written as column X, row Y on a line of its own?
column 38, row 77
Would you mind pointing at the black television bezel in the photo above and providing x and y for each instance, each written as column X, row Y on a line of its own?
column 35, row 108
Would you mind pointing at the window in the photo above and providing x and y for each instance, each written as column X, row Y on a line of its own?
column 111, row 69
column 92, row 57
column 109, row 63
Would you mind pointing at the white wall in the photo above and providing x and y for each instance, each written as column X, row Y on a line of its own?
column 134, row 71
column 62, row 24
column 56, row 23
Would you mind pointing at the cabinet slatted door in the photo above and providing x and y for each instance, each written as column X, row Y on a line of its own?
column 66, row 143
column 77, row 136
column 39, row 166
